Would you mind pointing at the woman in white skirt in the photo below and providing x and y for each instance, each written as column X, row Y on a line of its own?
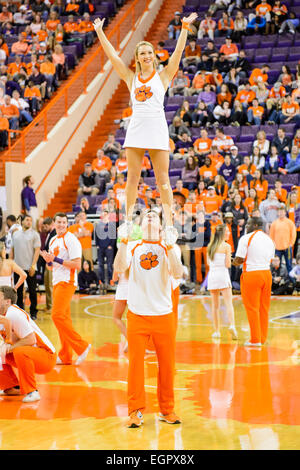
column 218, row 281
column 148, row 127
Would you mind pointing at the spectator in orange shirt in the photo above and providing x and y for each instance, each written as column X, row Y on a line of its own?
column 4, row 126
column 119, row 188
column 208, row 171
column 251, row 202
column 259, row 75
column 247, row 168
column 33, row 97
column 212, row 202
column 263, row 9
column 207, row 27
column 102, row 165
column 15, row 67
column 71, row 26
column 245, row 95
column 5, row 15
column 10, row 112
column 52, row 23
column 224, row 95
column 83, row 230
column 216, row 158
column 162, row 54
column 180, row 189
column 48, row 69
column 198, row 83
column 230, row 50
column 225, row 25
column 240, row 183
column 255, row 113
column 86, row 27
column 260, row 184
column 73, row 7
column 192, row 54
column 121, row 163
column 21, row 46
column 290, row 112
column 280, row 192
column 203, row 144
column 221, row 187
column 146, row 166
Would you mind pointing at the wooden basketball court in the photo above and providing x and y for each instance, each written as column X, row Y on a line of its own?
column 228, row 396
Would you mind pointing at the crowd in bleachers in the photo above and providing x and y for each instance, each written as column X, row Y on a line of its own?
column 40, row 42
column 233, row 114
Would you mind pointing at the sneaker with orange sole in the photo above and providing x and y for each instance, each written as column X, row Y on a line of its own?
column 170, row 418
column 135, row 419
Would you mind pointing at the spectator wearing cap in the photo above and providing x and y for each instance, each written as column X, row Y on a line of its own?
column 174, row 26
column 212, row 202
column 236, row 158
column 89, row 182
column 228, row 170
column 207, row 27
column 230, row 50
column 283, row 234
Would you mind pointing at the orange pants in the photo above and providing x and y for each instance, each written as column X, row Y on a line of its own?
column 201, row 254
column 29, row 361
column 61, row 316
column 175, row 302
column 256, row 296
column 162, row 330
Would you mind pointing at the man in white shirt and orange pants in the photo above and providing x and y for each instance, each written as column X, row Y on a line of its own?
column 151, row 264
column 64, row 258
column 30, row 353
column 255, row 251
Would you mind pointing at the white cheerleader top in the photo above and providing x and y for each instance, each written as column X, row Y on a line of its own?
column 147, row 96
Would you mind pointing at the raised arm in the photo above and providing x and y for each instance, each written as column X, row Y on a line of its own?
column 170, row 70
column 119, row 66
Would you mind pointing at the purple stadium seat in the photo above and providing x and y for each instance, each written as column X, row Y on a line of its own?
column 269, row 41
column 150, row 181
column 195, row 132
column 234, row 132
column 285, row 41
column 262, row 55
column 279, row 54
column 294, row 53
column 289, row 129
column 270, row 130
column 271, row 178
column 120, row 133
column 251, row 42
column 244, row 148
column 250, row 54
column 248, row 133
column 177, row 164
column 291, row 178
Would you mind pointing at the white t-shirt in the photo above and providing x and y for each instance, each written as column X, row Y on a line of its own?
column 22, row 325
column 149, row 283
column 66, row 247
column 259, row 253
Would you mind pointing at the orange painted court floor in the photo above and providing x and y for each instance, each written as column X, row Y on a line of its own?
column 228, row 396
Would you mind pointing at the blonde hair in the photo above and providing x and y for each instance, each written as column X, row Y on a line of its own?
column 137, row 64
column 216, row 240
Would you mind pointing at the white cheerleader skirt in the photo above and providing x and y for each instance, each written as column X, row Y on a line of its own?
column 218, row 278
column 122, row 290
column 148, row 132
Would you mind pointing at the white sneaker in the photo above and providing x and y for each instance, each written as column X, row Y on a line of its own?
column 83, row 356
column 233, row 332
column 216, row 334
column 32, row 396
column 254, row 345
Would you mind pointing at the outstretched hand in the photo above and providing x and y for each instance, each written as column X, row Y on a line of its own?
column 98, row 24
column 191, row 18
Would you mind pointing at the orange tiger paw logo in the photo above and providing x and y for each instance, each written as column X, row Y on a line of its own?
column 148, row 261
column 56, row 251
column 143, row 93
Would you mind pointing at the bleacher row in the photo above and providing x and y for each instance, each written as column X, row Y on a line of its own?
column 73, row 51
